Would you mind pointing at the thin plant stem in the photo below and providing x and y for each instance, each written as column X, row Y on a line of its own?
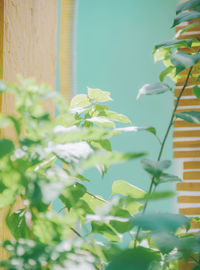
column 76, row 232
column 162, row 147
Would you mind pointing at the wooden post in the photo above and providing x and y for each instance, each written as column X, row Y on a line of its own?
column 27, row 47
column 66, row 48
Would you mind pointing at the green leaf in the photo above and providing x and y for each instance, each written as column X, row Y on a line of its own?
column 83, row 134
column 182, row 60
column 102, row 144
column 160, row 195
column 81, row 100
column 192, row 4
column 139, row 258
column 136, row 129
column 109, row 158
column 133, row 207
column 93, row 201
column 119, row 226
column 165, row 177
column 196, row 91
column 165, row 241
column 72, row 152
column 106, row 230
column 161, row 222
column 8, row 196
column 162, row 54
column 116, row 117
column 50, row 191
column 127, row 189
column 173, row 43
column 98, row 95
column 153, row 89
column 16, row 124
column 166, row 72
column 82, row 178
column 6, row 147
column 16, row 223
column 191, row 116
column 72, row 194
column 155, row 168
column 185, row 17
column 101, row 121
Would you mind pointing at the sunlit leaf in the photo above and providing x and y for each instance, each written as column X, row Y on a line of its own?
column 17, row 224
column 84, row 134
column 98, row 95
column 8, row 196
column 72, row 152
column 101, row 121
column 81, row 100
column 102, row 144
column 116, row 117
column 106, row 230
column 153, row 89
column 109, row 158
column 166, row 72
column 93, row 201
column 127, row 189
column 162, row 54
column 136, row 129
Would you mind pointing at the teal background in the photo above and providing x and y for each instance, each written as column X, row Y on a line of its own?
column 114, row 41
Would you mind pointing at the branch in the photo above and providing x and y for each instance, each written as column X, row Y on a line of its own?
column 162, row 146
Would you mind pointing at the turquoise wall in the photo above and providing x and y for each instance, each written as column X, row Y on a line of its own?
column 114, row 41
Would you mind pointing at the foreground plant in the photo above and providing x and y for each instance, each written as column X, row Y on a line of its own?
column 47, row 160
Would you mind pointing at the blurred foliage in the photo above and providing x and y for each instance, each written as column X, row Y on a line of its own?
column 47, row 160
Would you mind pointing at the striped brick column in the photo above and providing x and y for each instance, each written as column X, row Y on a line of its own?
column 186, row 144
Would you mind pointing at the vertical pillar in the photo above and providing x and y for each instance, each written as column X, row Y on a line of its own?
column 186, row 144
column 66, row 48
column 27, row 47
